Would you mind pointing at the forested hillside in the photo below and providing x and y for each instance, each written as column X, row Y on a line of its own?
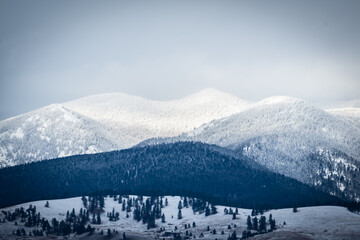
column 185, row 168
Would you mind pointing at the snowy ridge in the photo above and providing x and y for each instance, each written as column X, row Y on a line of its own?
column 53, row 131
column 288, row 136
column 301, row 127
column 351, row 114
column 147, row 118
column 106, row 122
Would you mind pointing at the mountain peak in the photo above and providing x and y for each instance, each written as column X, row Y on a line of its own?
column 281, row 100
column 212, row 95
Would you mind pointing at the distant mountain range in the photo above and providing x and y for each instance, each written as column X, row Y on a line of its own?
column 320, row 147
column 106, row 122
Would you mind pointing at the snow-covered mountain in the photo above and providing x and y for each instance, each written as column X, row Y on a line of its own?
column 106, row 122
column 147, row 118
column 350, row 113
column 52, row 131
column 294, row 138
column 287, row 135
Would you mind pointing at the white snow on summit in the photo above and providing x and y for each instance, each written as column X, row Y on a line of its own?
column 50, row 132
column 301, row 126
column 148, row 118
column 115, row 121
column 106, row 122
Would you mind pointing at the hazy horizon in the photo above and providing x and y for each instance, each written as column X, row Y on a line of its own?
column 53, row 52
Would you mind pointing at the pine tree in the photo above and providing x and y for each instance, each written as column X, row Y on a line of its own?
column 233, row 236
column 272, row 224
column 162, row 218
column 98, row 219
column 243, row 234
column 179, row 214
column 249, row 223
column 123, row 205
column 151, row 221
column 185, row 202
column 84, row 200
column 207, row 211
column 213, row 209
column 255, row 223
column 47, row 204
column 180, row 205
column 101, row 202
column 262, row 224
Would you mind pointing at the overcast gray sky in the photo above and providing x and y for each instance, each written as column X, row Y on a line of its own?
column 56, row 51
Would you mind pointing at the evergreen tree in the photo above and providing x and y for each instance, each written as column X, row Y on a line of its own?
column 249, row 223
column 180, row 205
column 186, row 204
column 151, row 221
column 123, row 205
column 272, row 225
column 262, row 224
column 101, row 202
column 233, row 236
column 207, row 211
column 98, row 219
column 179, row 214
column 137, row 213
column 243, row 234
column 84, row 200
column 255, row 223
column 47, row 204
column 213, row 209
column 162, row 218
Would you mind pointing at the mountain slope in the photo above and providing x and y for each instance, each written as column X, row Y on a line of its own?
column 147, row 118
column 350, row 114
column 106, row 122
column 50, row 132
column 291, row 137
column 187, row 169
